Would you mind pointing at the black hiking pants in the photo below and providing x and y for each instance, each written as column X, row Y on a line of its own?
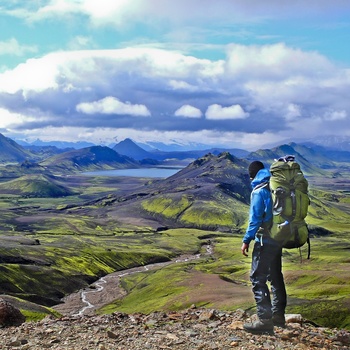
column 267, row 266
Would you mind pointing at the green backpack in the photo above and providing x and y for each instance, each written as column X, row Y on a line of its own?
column 289, row 190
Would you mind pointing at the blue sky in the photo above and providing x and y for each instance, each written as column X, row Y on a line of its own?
column 233, row 73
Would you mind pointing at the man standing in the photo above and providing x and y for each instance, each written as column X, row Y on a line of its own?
column 267, row 256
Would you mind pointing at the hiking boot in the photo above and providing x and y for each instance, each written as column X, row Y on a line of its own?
column 259, row 327
column 279, row 321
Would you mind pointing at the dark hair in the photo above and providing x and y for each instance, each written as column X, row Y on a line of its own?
column 254, row 168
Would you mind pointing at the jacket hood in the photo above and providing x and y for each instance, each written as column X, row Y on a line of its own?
column 262, row 176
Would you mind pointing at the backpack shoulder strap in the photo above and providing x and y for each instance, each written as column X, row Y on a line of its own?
column 262, row 185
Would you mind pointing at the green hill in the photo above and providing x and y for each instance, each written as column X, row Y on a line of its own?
column 35, row 186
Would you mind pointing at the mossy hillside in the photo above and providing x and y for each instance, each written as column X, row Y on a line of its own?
column 148, row 291
column 320, row 287
column 35, row 186
column 329, row 214
column 62, row 264
column 182, row 240
column 167, row 205
column 210, row 215
column 188, row 211
column 31, row 311
column 228, row 262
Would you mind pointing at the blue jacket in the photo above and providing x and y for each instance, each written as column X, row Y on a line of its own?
column 260, row 206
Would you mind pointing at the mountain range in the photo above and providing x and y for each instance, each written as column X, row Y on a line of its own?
column 127, row 154
column 331, row 142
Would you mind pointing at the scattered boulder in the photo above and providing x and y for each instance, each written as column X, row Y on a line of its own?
column 10, row 315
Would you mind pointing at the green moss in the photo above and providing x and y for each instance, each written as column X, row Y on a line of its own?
column 332, row 314
column 209, row 214
column 167, row 206
column 34, row 316
column 153, row 290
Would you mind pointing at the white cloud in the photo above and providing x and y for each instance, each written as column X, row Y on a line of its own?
column 188, row 111
column 111, row 105
column 34, row 75
column 13, row 47
column 335, row 115
column 218, row 112
column 274, row 62
column 11, row 120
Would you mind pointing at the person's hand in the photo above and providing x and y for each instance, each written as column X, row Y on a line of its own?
column 245, row 249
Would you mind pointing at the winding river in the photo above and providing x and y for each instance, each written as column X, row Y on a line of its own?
column 107, row 289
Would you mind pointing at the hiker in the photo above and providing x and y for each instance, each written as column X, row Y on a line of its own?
column 266, row 257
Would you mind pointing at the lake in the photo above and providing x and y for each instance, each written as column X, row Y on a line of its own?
column 144, row 172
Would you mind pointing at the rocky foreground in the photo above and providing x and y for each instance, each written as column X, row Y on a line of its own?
column 189, row 329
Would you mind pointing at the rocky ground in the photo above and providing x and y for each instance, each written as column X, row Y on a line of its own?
column 193, row 328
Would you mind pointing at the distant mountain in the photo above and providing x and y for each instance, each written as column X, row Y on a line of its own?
column 333, row 142
column 131, row 149
column 173, row 146
column 58, row 144
column 43, row 152
column 12, row 152
column 310, row 161
column 334, row 155
column 90, row 158
column 329, row 142
column 192, row 155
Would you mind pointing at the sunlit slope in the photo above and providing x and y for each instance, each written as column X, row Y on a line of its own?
column 35, row 186
column 329, row 209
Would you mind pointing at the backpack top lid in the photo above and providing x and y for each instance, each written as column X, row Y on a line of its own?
column 286, row 172
column 288, row 158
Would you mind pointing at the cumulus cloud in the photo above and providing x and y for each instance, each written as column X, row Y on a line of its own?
column 188, row 111
column 12, row 120
column 111, row 105
column 218, row 112
column 275, row 62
